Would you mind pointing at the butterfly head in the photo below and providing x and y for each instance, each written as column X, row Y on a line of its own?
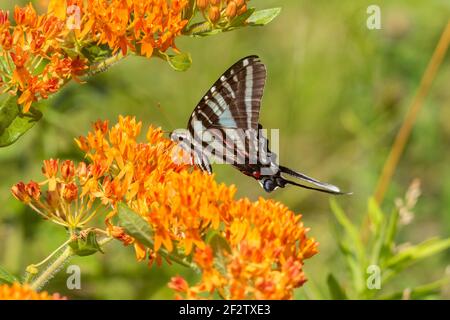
column 179, row 135
column 268, row 184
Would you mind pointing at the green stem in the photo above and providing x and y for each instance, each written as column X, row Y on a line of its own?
column 51, row 269
column 56, row 265
column 105, row 64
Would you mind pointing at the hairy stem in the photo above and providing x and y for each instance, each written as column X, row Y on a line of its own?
column 57, row 264
column 52, row 269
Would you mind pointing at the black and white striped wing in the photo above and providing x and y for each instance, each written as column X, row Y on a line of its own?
column 230, row 111
column 234, row 100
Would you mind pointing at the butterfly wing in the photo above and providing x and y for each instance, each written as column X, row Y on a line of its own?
column 229, row 109
column 234, row 100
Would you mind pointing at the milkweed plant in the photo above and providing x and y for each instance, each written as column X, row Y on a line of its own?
column 167, row 212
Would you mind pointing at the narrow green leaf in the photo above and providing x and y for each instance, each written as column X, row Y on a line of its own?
column 263, row 17
column 389, row 238
column 350, row 229
column 414, row 254
column 135, row 225
column 376, row 217
column 336, row 291
column 352, row 264
column 6, row 277
column 354, row 248
column 13, row 123
column 422, row 292
column 378, row 227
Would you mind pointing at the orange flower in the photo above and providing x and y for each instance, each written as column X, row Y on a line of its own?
column 265, row 255
column 178, row 204
column 244, row 249
column 17, row 291
column 63, row 202
column 182, row 206
column 36, row 49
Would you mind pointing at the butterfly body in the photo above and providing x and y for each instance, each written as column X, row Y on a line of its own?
column 225, row 126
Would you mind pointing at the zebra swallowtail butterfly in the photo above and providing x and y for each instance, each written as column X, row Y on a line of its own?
column 229, row 113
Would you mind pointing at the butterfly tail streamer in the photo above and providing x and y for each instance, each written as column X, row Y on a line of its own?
column 322, row 186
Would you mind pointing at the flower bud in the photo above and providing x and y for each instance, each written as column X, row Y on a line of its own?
column 202, row 4
column 19, row 192
column 33, row 190
column 239, row 3
column 214, row 14
column 82, row 171
column 70, row 192
column 67, row 170
column 242, row 10
column 231, row 10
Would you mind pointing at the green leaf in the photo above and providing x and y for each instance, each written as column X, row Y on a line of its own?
column 352, row 263
column 422, row 292
column 14, row 123
column 350, row 229
column 86, row 246
column 389, row 238
column 180, row 62
column 376, row 217
column 135, row 225
column 96, row 53
column 378, row 226
column 220, row 247
column 263, row 17
column 218, row 244
column 6, row 277
column 240, row 21
column 336, row 291
column 8, row 112
column 351, row 245
column 250, row 18
column 414, row 254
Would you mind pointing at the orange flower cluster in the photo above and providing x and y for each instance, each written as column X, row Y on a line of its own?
column 265, row 255
column 17, row 291
column 177, row 203
column 34, row 65
column 40, row 53
column 64, row 202
column 216, row 9
column 245, row 250
column 264, row 259
column 138, row 25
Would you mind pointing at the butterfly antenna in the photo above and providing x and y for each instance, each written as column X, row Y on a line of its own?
column 165, row 116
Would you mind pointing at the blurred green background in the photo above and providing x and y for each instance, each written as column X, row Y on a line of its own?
column 337, row 91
